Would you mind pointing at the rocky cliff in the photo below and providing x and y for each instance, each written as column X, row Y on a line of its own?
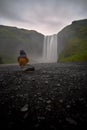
column 72, row 42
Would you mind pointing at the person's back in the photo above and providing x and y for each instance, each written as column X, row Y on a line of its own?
column 22, row 59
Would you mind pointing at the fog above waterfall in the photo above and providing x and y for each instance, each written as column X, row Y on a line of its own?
column 45, row 16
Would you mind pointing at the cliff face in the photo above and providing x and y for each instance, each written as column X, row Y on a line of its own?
column 72, row 42
column 13, row 39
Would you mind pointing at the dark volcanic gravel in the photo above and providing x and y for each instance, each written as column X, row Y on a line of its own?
column 51, row 97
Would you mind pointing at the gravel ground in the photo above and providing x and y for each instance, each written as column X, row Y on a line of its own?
column 50, row 97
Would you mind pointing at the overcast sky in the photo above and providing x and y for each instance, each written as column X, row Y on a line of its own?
column 45, row 16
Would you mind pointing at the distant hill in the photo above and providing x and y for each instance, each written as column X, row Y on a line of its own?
column 72, row 42
column 13, row 39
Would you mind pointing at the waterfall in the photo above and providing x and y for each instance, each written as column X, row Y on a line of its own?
column 50, row 48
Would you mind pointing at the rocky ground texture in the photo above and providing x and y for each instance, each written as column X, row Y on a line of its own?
column 50, row 97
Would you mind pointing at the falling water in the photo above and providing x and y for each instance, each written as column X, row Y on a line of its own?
column 50, row 48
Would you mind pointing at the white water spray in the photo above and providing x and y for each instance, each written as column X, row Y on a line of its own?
column 50, row 48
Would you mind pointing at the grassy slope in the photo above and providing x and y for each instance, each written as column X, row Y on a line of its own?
column 76, row 46
column 12, row 39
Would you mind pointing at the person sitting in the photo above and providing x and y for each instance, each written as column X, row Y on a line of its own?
column 22, row 59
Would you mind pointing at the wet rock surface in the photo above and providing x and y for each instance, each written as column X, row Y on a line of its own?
column 50, row 97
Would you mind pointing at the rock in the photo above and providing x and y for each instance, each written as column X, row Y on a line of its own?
column 28, row 68
column 60, row 80
column 68, row 106
column 41, row 117
column 81, row 99
column 43, row 72
column 26, row 115
column 39, row 93
column 49, row 101
column 24, row 108
column 48, row 107
column 58, row 85
column 33, row 79
column 40, row 98
column 46, row 82
column 37, row 125
column 71, row 121
column 55, row 89
column 61, row 100
column 12, row 96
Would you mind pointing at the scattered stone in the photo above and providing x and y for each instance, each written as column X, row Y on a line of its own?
column 35, row 95
column 60, row 121
column 33, row 79
column 81, row 99
column 40, row 98
column 61, row 80
column 61, row 104
column 41, row 117
column 61, row 92
column 46, row 82
column 61, row 100
column 21, row 95
column 44, row 72
column 71, row 121
column 12, row 96
column 24, row 108
column 37, row 125
column 68, row 106
column 19, row 86
column 38, row 93
column 49, row 101
column 58, row 85
column 28, row 68
column 55, row 89
column 48, row 107
column 26, row 115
